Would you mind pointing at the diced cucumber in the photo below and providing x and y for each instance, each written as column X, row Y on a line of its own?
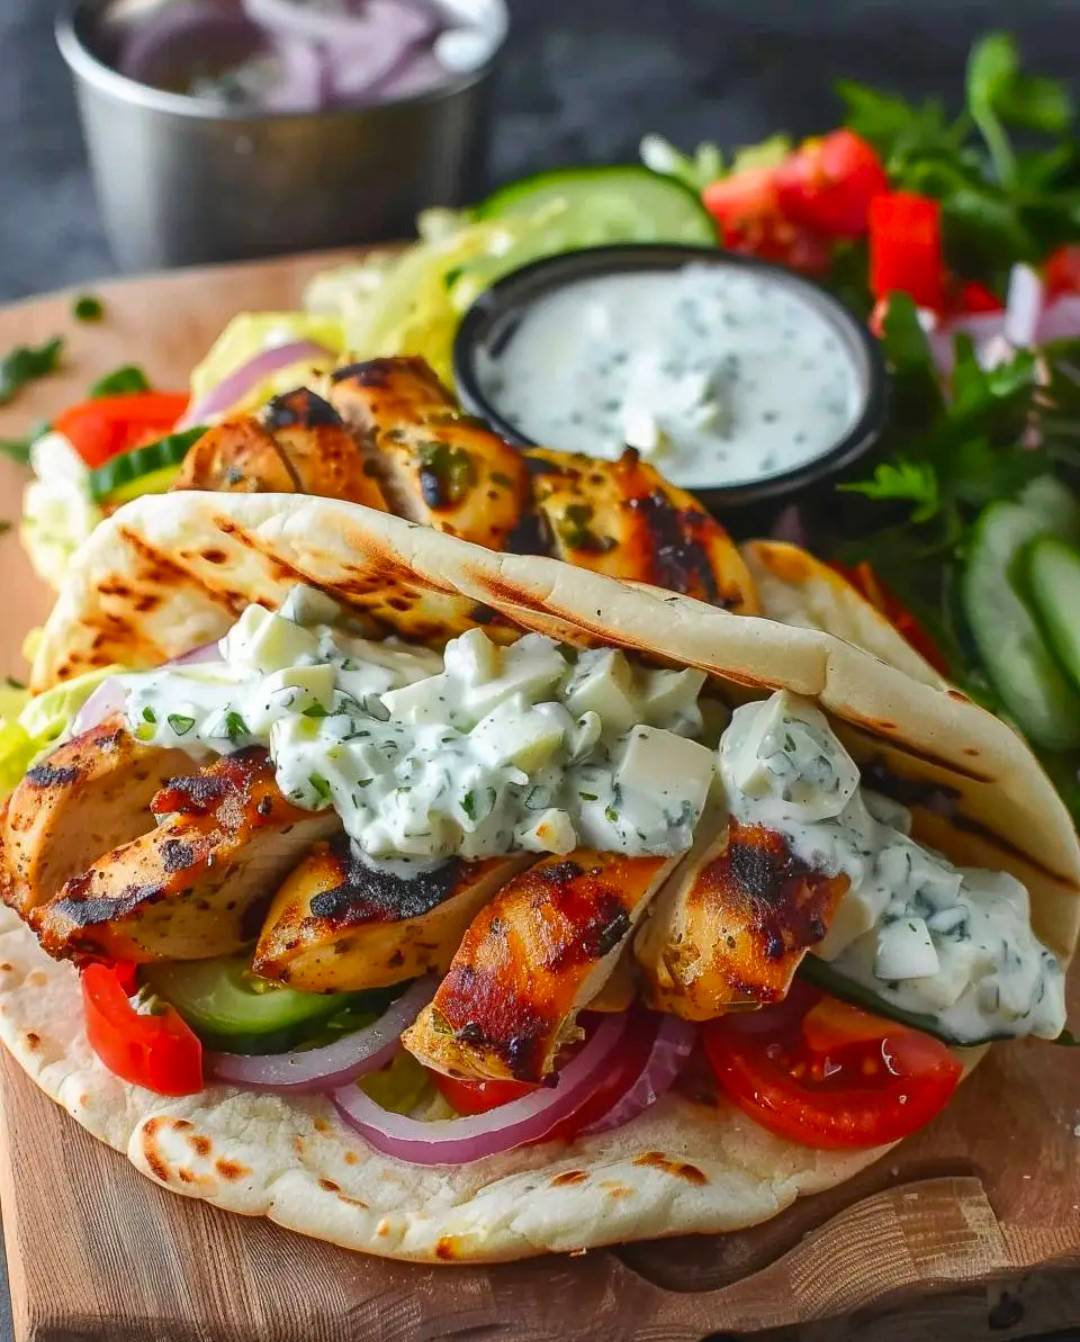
column 1053, row 580
column 1024, row 672
column 575, row 208
column 829, row 979
column 229, row 1008
column 1052, row 500
column 119, row 478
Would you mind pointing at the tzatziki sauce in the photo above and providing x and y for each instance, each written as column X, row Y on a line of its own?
column 719, row 375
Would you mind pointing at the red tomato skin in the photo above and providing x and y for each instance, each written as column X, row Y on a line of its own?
column 912, row 1077
column 161, row 1053
column 827, row 184
column 906, row 248
column 1062, row 273
column 477, row 1097
column 746, row 206
column 100, row 429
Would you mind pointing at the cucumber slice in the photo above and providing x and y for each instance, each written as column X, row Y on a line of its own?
column 1050, row 499
column 229, row 1008
column 575, row 208
column 156, row 482
column 829, row 979
column 1053, row 573
column 1024, row 672
column 118, row 479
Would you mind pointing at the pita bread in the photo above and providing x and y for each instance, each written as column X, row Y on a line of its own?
column 165, row 574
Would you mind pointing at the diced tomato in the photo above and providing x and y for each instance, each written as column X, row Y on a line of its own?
column 905, row 248
column 964, row 297
column 746, row 205
column 827, row 184
column 1062, row 273
column 833, row 1079
column 161, row 1053
column 102, row 428
column 867, row 583
column 477, row 1097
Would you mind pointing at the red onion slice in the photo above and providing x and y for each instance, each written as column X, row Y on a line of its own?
column 175, row 36
column 305, row 84
column 248, row 376
column 109, row 698
column 1060, row 319
column 333, row 1065
column 456, row 1141
column 671, row 1048
column 1023, row 307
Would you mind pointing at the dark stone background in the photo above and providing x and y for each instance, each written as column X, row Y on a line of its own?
column 582, row 81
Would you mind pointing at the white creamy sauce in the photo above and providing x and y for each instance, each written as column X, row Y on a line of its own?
column 487, row 750
column 934, row 939
column 720, row 375
column 481, row 752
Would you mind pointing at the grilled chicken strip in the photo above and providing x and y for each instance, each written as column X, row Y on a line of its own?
column 298, row 445
column 188, row 889
column 530, row 961
column 436, row 465
column 732, row 925
column 623, row 519
column 93, row 793
column 337, row 926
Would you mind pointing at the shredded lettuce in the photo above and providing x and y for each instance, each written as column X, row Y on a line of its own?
column 59, row 512
column 31, row 727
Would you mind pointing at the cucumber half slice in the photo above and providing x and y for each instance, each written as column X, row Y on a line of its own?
column 230, row 1008
column 123, row 476
column 1024, row 671
column 1053, row 573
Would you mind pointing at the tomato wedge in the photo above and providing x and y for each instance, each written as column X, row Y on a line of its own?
column 906, row 253
column 100, row 429
column 827, row 184
column 477, row 1097
column 161, row 1053
column 1062, row 272
column 746, row 205
column 828, row 1075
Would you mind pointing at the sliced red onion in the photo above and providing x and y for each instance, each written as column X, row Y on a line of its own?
column 385, row 44
column 671, row 1048
column 306, row 83
column 247, row 377
column 985, row 329
column 790, row 526
column 1060, row 320
column 175, row 36
column 109, row 698
column 456, row 1141
column 208, row 652
column 388, row 21
column 333, row 1065
column 1023, row 307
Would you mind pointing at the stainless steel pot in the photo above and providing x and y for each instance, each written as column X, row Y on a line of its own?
column 181, row 181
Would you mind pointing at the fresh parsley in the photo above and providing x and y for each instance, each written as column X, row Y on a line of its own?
column 127, row 380
column 88, row 308
column 235, row 726
column 28, row 363
column 180, row 724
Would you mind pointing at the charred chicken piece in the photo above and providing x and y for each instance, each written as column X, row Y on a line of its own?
column 531, row 960
column 298, row 445
column 92, row 794
column 337, row 926
column 623, row 519
column 188, row 889
column 437, row 466
column 730, row 928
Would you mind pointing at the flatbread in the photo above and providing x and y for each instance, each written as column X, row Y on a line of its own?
column 165, row 574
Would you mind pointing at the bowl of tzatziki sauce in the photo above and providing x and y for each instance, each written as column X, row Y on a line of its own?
column 734, row 377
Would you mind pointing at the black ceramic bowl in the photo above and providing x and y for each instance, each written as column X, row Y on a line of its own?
column 495, row 316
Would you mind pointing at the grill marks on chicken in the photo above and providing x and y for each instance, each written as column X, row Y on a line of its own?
column 624, row 520
column 298, row 446
column 436, row 465
column 337, row 926
column 91, row 795
column 732, row 926
column 534, row 957
column 195, row 885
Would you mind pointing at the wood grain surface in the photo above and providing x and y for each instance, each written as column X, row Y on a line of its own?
column 971, row 1230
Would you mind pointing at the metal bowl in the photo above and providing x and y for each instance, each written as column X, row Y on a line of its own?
column 181, row 180
column 492, row 320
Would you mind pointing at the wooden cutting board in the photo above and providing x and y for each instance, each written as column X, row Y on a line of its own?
column 969, row 1229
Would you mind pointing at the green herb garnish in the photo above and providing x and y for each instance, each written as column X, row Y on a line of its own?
column 88, row 308
column 468, row 805
column 148, row 715
column 180, row 724
column 320, row 786
column 315, row 711
column 27, row 363
column 127, row 380
column 235, row 726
